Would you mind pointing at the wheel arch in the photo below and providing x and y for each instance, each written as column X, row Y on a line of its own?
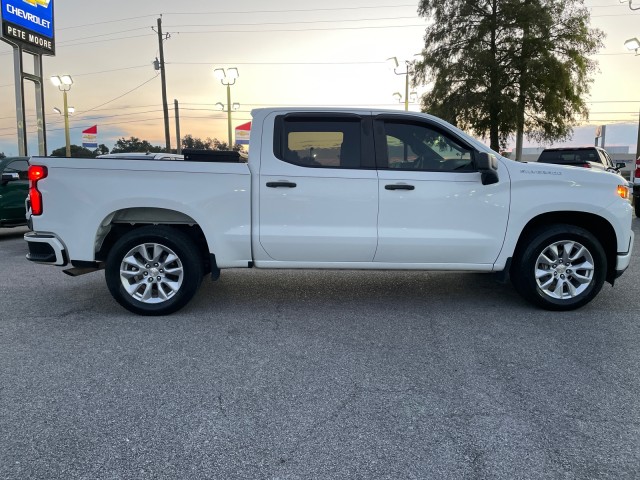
column 598, row 226
column 122, row 221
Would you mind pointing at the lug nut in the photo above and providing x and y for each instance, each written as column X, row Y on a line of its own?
column 159, row 278
column 146, row 273
column 150, row 279
column 155, row 265
column 162, row 270
column 147, row 266
column 562, row 277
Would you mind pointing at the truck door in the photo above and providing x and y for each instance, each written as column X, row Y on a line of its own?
column 318, row 197
column 433, row 206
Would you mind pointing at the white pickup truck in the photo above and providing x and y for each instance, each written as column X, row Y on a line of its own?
column 331, row 189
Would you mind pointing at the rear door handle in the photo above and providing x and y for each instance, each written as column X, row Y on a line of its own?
column 281, row 184
column 399, row 186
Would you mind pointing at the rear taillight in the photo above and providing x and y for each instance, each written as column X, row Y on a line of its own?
column 637, row 172
column 586, row 165
column 36, row 173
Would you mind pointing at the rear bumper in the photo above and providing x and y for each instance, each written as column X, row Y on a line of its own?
column 624, row 259
column 46, row 248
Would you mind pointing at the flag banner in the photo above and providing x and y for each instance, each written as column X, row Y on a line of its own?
column 242, row 133
column 90, row 137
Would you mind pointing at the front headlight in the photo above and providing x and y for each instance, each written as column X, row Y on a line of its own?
column 623, row 191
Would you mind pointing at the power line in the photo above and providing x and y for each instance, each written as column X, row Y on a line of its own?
column 120, row 96
column 108, row 21
column 222, row 12
column 102, row 35
column 63, row 43
column 227, row 12
column 281, row 63
column 302, row 29
column 254, row 24
column 96, row 73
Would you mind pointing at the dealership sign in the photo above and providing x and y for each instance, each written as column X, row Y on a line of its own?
column 29, row 24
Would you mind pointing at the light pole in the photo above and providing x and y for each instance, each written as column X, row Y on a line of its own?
column 409, row 70
column 64, row 83
column 225, row 108
column 228, row 77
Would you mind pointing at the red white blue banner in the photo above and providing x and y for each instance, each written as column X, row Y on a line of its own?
column 90, row 137
column 243, row 132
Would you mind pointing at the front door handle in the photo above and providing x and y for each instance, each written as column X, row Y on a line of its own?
column 399, row 186
column 281, row 184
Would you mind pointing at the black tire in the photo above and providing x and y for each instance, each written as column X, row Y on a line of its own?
column 636, row 206
column 562, row 298
column 184, row 273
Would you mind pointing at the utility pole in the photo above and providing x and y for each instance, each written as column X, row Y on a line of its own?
column 178, row 137
column 163, row 78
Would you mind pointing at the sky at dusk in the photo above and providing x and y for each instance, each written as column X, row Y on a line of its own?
column 288, row 53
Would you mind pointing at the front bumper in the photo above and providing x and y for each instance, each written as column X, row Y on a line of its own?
column 46, row 248
column 624, row 259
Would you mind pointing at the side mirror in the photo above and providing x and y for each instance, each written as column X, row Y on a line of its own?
column 620, row 165
column 9, row 177
column 487, row 165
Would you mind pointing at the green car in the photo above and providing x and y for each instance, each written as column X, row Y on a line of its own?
column 14, row 187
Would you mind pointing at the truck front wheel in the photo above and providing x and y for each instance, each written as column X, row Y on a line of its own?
column 154, row 270
column 561, row 267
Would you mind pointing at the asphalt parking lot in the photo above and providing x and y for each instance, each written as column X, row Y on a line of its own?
column 313, row 375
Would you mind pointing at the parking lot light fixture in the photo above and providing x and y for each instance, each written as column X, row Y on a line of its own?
column 408, row 72
column 630, row 2
column 633, row 44
column 228, row 77
column 64, row 83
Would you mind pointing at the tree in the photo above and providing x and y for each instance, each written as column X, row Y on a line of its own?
column 189, row 141
column 505, row 66
column 134, row 144
column 76, row 152
column 101, row 150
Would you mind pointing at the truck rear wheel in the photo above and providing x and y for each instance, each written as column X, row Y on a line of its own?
column 562, row 267
column 154, row 270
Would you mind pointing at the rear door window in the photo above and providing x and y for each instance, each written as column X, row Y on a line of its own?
column 321, row 142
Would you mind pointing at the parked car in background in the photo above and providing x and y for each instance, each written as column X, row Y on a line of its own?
column 586, row 157
column 14, row 188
